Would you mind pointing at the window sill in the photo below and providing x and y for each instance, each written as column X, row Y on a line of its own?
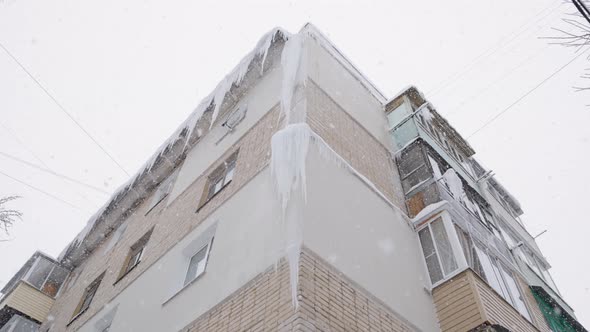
column 214, row 195
column 125, row 274
column 183, row 288
column 76, row 317
column 156, row 205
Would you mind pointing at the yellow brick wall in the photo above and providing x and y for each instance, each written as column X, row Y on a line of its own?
column 361, row 150
column 253, row 157
column 354, row 143
column 328, row 301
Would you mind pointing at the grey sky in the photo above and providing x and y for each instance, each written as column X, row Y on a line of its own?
column 131, row 72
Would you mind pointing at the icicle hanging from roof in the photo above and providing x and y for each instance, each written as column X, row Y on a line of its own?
column 185, row 130
column 289, row 148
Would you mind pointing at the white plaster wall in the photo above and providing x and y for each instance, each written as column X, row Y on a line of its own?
column 347, row 224
column 260, row 99
column 246, row 243
column 344, row 222
column 329, row 74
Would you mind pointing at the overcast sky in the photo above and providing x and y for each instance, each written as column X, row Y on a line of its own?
column 129, row 72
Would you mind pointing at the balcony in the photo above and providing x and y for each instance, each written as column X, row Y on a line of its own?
column 466, row 302
column 32, row 290
column 20, row 324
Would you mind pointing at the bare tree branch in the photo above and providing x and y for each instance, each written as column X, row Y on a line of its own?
column 8, row 216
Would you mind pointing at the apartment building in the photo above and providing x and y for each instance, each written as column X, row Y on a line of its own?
column 297, row 197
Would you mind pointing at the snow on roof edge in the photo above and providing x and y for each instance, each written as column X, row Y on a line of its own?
column 372, row 87
column 214, row 98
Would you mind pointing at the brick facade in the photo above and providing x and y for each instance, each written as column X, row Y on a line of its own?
column 371, row 159
column 353, row 143
column 171, row 223
column 328, row 301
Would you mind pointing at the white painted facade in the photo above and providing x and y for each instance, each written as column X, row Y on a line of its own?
column 345, row 222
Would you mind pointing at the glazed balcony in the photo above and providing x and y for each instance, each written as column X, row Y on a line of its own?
column 31, row 292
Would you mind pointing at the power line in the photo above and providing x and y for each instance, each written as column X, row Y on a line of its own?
column 61, row 107
column 461, row 104
column 496, row 47
column 18, row 140
column 41, row 191
column 581, row 7
column 46, row 170
column 495, row 117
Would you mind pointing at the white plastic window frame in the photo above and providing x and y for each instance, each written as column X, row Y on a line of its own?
column 188, row 281
column 455, row 245
column 499, row 271
column 189, row 249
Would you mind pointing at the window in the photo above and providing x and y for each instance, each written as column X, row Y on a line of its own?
column 219, row 178
column 413, row 168
column 517, row 299
column 197, row 264
column 164, row 188
column 493, row 272
column 487, row 268
column 47, row 276
column 116, row 237
column 439, row 256
column 135, row 255
column 89, row 293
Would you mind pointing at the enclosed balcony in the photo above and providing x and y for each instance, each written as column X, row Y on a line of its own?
column 20, row 324
column 32, row 290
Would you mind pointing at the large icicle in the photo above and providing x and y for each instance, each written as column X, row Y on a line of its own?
column 289, row 148
column 289, row 151
column 293, row 63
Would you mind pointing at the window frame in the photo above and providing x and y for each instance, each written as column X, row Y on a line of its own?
column 136, row 252
column 164, row 188
column 197, row 275
column 223, row 175
column 499, row 270
column 89, row 292
column 457, row 263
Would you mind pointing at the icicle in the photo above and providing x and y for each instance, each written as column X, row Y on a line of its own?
column 294, row 73
column 289, row 151
column 236, row 76
column 290, row 146
column 217, row 96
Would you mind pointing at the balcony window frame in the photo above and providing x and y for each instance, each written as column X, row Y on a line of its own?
column 44, row 282
column 499, row 272
column 456, row 250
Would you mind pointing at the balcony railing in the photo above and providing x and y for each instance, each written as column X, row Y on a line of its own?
column 473, row 224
